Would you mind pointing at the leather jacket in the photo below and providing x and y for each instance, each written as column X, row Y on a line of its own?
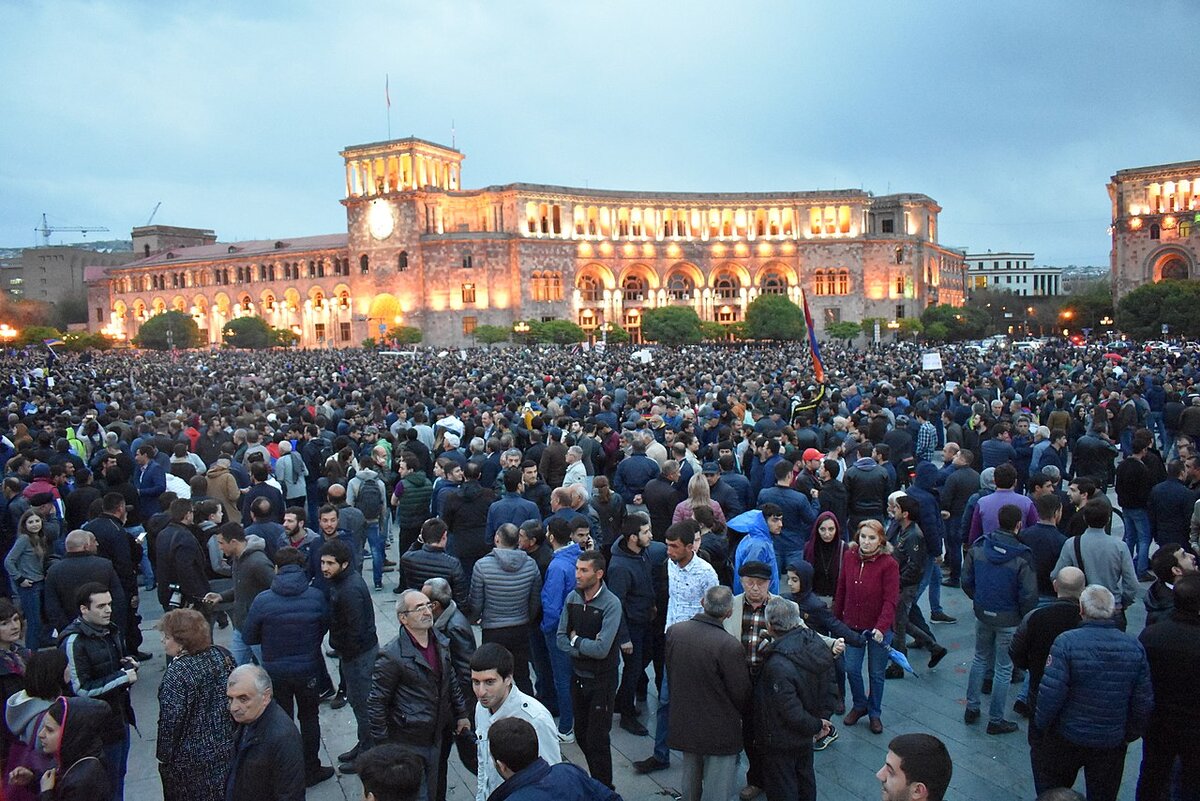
column 409, row 703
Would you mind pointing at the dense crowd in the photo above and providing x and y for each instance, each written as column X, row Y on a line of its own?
column 578, row 535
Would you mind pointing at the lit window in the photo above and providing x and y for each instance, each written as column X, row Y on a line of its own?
column 469, row 324
column 633, row 288
column 773, row 283
column 590, row 290
column 468, row 293
column 680, row 287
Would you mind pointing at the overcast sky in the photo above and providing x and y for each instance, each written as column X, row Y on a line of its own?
column 1012, row 116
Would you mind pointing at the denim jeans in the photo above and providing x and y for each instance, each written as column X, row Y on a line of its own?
column 146, row 568
column 560, row 665
column 242, row 653
column 31, row 608
column 375, row 540
column 539, row 655
column 875, row 654
column 115, row 756
column 933, row 581
column 991, row 654
column 1137, row 537
column 661, row 720
column 356, row 673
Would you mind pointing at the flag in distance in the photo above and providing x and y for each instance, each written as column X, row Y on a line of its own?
column 52, row 342
column 387, row 94
column 818, row 367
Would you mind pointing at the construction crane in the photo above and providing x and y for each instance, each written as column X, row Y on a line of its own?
column 48, row 229
column 156, row 205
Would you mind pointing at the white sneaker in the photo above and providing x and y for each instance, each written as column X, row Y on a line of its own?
column 566, row 737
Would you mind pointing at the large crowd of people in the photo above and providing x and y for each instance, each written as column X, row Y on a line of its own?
column 573, row 535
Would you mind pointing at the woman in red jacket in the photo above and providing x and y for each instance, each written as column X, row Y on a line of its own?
column 867, row 589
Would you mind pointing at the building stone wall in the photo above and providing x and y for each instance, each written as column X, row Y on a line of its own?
column 1155, row 225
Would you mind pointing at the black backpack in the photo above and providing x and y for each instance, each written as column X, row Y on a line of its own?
column 369, row 499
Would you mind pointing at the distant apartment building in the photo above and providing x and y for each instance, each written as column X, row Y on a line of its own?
column 1011, row 272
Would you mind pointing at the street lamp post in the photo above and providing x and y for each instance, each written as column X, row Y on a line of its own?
column 521, row 328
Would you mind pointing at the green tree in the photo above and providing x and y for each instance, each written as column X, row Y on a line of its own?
column 184, row 333
column 738, row 330
column 1089, row 303
column 1144, row 311
column 868, row 327
column 671, row 325
column 937, row 332
column 910, row 327
column 713, row 331
column 34, row 334
column 249, row 333
column 491, row 334
column 843, row 330
column 78, row 341
column 616, row 335
column 283, row 337
column 404, row 334
column 557, row 332
column 955, row 323
column 774, row 317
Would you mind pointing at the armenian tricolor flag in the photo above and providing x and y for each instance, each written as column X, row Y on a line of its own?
column 50, row 343
column 818, row 367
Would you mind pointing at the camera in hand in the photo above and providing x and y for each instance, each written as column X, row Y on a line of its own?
column 176, row 599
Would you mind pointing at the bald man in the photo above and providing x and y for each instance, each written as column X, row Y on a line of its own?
column 80, row 566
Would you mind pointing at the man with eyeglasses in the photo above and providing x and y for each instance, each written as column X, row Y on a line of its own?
column 416, row 700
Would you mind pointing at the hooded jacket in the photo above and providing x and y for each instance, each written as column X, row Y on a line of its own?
column 81, row 774
column 289, row 621
column 930, row 518
column 352, row 615
column 824, row 559
column 795, row 690
column 1160, row 602
column 813, row 611
column 506, row 589
column 94, row 669
column 465, row 511
column 223, row 487
column 868, row 590
column 413, row 493
column 354, row 488
column 630, row 578
column 755, row 546
column 541, row 781
column 998, row 575
column 252, row 573
column 560, row 581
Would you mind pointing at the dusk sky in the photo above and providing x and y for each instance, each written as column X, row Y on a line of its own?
column 1012, row 116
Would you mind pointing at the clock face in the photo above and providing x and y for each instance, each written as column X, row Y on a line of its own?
column 379, row 220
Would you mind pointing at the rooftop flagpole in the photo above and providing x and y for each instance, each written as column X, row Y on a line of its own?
column 387, row 96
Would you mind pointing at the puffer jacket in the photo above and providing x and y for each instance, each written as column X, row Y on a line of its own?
column 506, row 589
column 423, row 562
column 867, row 590
column 289, row 621
column 998, row 575
column 409, row 703
column 413, row 493
column 924, row 492
column 795, row 690
column 1096, row 690
column 560, row 581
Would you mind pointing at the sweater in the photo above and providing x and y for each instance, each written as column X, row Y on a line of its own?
column 867, row 590
column 1106, row 561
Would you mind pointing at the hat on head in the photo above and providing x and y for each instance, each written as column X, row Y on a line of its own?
column 758, row 570
column 812, row 453
column 41, row 499
column 40, row 470
column 711, row 469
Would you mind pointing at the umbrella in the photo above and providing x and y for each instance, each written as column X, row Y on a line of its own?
column 900, row 659
column 1116, row 357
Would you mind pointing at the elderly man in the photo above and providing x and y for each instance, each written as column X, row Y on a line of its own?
column 415, row 697
column 794, row 698
column 268, row 762
column 707, row 670
column 1095, row 698
column 453, row 624
column 492, row 686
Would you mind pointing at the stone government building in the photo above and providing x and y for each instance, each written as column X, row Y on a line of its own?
column 420, row 250
column 1155, row 224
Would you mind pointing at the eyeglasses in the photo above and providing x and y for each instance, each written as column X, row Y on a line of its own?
column 419, row 608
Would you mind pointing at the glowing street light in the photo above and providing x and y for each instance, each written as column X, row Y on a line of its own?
column 8, row 333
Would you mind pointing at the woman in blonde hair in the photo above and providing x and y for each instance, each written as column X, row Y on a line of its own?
column 698, row 495
column 868, row 588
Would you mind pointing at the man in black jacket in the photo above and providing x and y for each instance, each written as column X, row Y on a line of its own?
column 114, row 544
column 1173, row 651
column 268, row 760
column 352, row 635
column 631, row 580
column 428, row 559
column 98, row 668
column 1170, row 508
column 415, row 698
column 80, row 566
column 181, row 564
column 453, row 625
column 253, row 573
column 661, row 495
column 794, row 698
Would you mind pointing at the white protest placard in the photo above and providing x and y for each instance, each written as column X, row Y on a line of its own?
column 931, row 361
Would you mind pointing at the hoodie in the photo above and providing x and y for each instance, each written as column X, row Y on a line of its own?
column 824, row 559
column 506, row 589
column 813, row 610
column 998, row 575
column 755, row 546
column 81, row 774
column 930, row 519
column 1160, row 602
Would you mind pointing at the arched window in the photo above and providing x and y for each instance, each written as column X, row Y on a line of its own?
column 555, row 285
column 843, row 283
column 1154, row 231
column 537, row 286
column 633, row 288
column 819, row 285
column 364, row 264
column 774, row 283
column 727, row 285
column 680, row 286
column 402, row 261
column 590, row 289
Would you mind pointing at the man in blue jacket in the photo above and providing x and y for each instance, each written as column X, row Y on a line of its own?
column 1095, row 699
column 289, row 621
column 634, row 471
column 150, row 480
column 999, row 576
column 799, row 513
column 560, row 581
column 759, row 528
column 528, row 777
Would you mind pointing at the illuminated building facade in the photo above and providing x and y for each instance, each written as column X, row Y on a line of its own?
column 1014, row 273
column 1155, row 224
column 420, row 250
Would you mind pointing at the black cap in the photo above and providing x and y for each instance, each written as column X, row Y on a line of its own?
column 759, row 570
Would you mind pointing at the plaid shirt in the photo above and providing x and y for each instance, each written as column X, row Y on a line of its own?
column 754, row 633
column 926, row 441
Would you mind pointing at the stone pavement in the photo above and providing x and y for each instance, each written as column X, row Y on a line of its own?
column 984, row 767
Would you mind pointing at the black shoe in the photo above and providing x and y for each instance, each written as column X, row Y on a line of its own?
column 319, row 775
column 630, row 724
column 388, row 562
column 650, row 765
column 937, row 653
column 328, row 694
column 942, row 617
column 950, row 582
column 142, row 656
column 339, row 701
column 400, row 590
column 1002, row 727
column 894, row 672
column 350, row 755
column 1021, row 708
column 347, row 768
column 378, row 588
column 970, row 715
column 987, row 687
column 821, row 743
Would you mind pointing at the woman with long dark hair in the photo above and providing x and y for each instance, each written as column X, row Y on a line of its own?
column 70, row 732
column 824, row 551
column 44, row 681
column 26, row 566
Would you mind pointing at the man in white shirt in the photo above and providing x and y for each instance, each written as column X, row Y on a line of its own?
column 576, row 472
column 491, row 679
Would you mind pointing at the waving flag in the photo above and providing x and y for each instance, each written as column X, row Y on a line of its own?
column 818, row 367
column 50, row 343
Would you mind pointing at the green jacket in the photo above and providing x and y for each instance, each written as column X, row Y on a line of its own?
column 415, row 491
